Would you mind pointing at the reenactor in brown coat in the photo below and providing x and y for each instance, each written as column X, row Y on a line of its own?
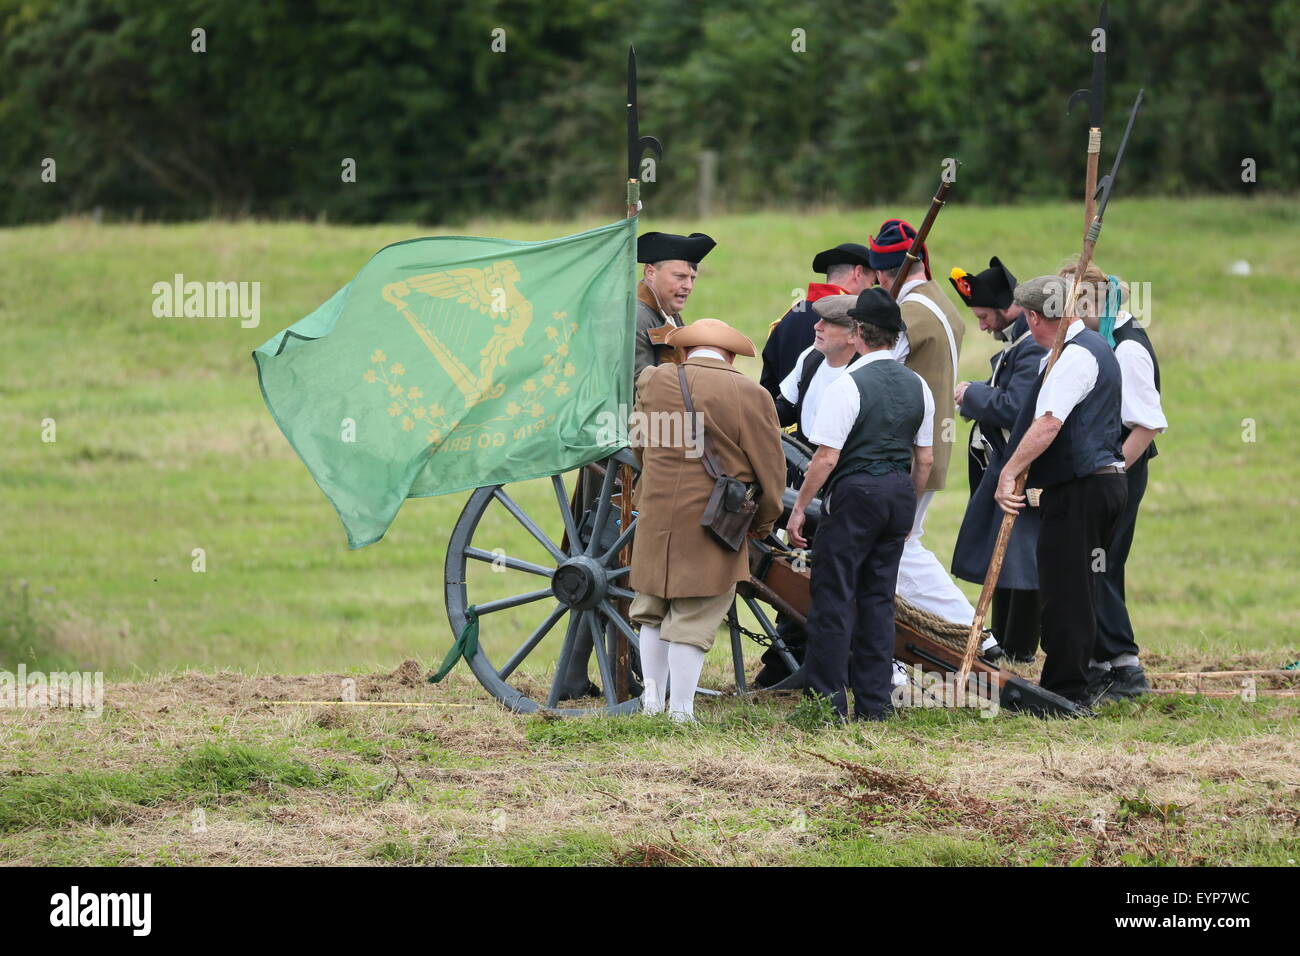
column 685, row 579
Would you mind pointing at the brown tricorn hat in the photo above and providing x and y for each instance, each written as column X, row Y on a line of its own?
column 710, row 332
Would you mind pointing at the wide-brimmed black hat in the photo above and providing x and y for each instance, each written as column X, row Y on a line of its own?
column 662, row 246
column 846, row 253
column 877, row 307
column 991, row 289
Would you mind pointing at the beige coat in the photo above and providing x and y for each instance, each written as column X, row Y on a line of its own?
column 672, row 555
column 930, row 357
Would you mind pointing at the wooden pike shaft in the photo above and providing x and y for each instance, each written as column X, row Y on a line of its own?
column 622, row 651
column 1008, row 520
column 1090, row 196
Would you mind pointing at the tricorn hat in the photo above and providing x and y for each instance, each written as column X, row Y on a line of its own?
column 662, row 246
column 889, row 246
column 877, row 307
column 712, row 332
column 846, row 253
column 990, row 289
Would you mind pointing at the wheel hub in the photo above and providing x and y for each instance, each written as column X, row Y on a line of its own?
column 580, row 582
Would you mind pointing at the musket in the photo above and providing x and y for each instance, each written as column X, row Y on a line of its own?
column 1104, row 190
column 914, row 252
column 1094, row 98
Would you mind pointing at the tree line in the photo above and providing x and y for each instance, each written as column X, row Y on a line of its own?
column 444, row 110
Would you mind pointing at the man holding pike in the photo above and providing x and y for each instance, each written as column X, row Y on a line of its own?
column 1068, row 436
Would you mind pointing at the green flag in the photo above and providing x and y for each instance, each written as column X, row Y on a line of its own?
column 455, row 362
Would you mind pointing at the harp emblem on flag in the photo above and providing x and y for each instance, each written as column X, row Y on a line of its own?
column 466, row 317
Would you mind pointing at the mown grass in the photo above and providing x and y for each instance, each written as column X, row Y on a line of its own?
column 209, row 772
column 1185, row 781
column 164, row 446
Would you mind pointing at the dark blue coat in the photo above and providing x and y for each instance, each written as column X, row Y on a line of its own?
column 994, row 405
column 785, row 343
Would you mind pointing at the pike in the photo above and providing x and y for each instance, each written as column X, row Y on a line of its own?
column 1094, row 98
column 1104, row 189
column 636, row 143
column 636, row 148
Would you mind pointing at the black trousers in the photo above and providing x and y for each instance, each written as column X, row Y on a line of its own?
column 1114, row 629
column 1079, row 520
column 854, row 573
column 1015, row 620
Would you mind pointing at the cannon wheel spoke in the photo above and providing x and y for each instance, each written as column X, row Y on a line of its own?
column 501, row 559
column 529, row 524
column 534, row 639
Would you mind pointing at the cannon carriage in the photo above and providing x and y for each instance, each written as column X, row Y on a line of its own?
column 579, row 530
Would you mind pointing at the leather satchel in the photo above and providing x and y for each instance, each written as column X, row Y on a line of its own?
column 730, row 512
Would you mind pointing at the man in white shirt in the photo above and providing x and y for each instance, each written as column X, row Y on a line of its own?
column 874, row 432
column 1116, row 667
column 1068, row 436
column 834, row 347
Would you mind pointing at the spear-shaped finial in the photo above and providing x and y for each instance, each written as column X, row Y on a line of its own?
column 636, row 143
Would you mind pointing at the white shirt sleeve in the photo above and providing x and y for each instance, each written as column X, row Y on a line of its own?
column 901, row 349
column 790, row 384
column 838, row 411
column 925, row 434
column 1139, row 399
column 1070, row 379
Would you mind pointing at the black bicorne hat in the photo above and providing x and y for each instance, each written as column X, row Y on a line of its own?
column 662, row 246
column 991, row 289
column 846, row 253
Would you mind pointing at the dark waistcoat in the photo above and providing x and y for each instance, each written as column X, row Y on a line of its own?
column 1089, row 439
column 891, row 410
column 1130, row 331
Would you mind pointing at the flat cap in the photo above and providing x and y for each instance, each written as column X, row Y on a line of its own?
column 835, row 309
column 1044, row 295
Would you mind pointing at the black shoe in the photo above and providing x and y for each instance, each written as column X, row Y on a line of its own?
column 993, row 653
column 1022, row 658
column 1099, row 680
column 1129, row 682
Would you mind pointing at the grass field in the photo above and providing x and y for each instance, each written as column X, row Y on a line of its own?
column 164, row 446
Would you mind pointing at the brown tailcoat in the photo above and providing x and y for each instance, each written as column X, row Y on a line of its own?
column 672, row 555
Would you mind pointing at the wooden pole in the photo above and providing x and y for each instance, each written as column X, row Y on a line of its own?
column 973, row 639
column 1090, row 196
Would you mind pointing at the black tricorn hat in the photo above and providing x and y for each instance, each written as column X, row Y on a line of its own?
column 662, row 246
column 990, row 289
column 877, row 307
column 846, row 253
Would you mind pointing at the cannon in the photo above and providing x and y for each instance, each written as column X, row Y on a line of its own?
column 578, row 530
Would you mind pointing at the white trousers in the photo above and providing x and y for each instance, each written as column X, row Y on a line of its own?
column 923, row 581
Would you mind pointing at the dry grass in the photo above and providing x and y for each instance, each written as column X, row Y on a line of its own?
column 464, row 781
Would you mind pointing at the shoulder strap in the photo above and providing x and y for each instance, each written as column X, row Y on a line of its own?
column 810, row 366
column 710, row 461
column 933, row 306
